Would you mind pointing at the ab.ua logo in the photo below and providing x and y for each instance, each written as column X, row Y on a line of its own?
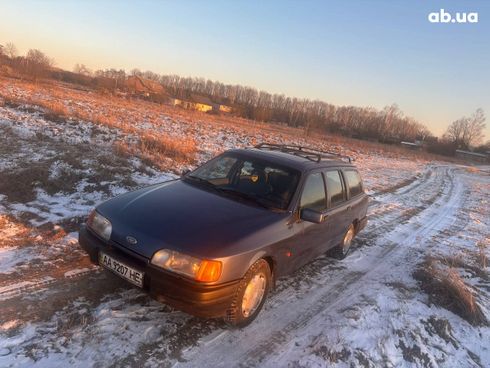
column 444, row 17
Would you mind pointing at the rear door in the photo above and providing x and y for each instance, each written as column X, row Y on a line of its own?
column 358, row 200
column 337, row 215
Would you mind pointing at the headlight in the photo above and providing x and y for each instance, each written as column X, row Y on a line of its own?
column 199, row 269
column 100, row 225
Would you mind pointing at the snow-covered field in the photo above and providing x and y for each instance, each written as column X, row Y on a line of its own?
column 58, row 310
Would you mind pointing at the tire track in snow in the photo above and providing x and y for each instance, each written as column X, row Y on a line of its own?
column 45, row 277
column 411, row 204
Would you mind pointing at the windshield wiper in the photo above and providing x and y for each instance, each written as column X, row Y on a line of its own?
column 245, row 196
column 200, row 180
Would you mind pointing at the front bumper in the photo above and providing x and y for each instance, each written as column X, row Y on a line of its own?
column 192, row 297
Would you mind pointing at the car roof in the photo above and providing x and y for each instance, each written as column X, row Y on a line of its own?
column 300, row 163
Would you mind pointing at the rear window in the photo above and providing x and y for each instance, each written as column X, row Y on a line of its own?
column 313, row 196
column 335, row 189
column 353, row 182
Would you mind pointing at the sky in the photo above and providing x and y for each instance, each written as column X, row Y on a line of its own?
column 363, row 53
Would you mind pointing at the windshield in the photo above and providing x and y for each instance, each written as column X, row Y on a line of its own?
column 250, row 179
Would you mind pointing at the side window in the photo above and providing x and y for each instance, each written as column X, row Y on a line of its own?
column 313, row 195
column 335, row 189
column 354, row 182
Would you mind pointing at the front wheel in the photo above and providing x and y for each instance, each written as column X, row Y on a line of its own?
column 341, row 250
column 250, row 296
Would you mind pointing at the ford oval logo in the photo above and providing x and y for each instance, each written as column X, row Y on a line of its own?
column 131, row 240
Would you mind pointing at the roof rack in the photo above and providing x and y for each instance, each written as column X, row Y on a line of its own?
column 306, row 152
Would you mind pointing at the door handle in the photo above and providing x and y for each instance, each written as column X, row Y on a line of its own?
column 349, row 208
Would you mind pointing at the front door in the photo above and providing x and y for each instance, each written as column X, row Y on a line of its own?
column 315, row 236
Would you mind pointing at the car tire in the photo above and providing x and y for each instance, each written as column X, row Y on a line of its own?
column 250, row 295
column 342, row 249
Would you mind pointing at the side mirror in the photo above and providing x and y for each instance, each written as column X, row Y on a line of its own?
column 185, row 172
column 307, row 214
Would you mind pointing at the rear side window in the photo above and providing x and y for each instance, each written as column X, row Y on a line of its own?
column 335, row 189
column 313, row 196
column 354, row 182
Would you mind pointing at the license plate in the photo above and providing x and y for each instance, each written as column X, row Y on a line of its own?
column 121, row 269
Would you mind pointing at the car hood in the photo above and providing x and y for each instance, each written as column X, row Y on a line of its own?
column 180, row 216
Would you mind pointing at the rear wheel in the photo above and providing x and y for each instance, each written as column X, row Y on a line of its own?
column 341, row 250
column 250, row 296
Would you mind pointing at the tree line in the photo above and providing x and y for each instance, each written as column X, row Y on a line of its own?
column 34, row 64
column 389, row 125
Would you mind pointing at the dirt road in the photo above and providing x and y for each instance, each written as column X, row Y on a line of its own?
column 351, row 311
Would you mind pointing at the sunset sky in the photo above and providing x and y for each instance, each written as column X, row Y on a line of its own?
column 365, row 53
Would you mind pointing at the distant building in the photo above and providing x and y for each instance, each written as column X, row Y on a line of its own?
column 417, row 145
column 201, row 103
column 472, row 156
column 226, row 109
column 143, row 87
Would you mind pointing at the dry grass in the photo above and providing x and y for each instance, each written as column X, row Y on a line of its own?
column 55, row 110
column 14, row 233
column 61, row 103
column 156, row 150
column 446, row 288
column 482, row 257
column 182, row 150
column 122, row 113
column 13, row 101
column 471, row 261
column 17, row 233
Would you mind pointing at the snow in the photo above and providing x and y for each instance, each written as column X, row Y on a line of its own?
column 12, row 257
column 367, row 310
column 14, row 289
column 76, row 272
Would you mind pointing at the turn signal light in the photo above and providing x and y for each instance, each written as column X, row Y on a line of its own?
column 209, row 271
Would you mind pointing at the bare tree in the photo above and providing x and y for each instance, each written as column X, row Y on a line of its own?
column 10, row 50
column 136, row 72
column 467, row 131
column 474, row 129
column 150, row 75
column 117, row 78
column 37, row 64
column 455, row 132
column 82, row 69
